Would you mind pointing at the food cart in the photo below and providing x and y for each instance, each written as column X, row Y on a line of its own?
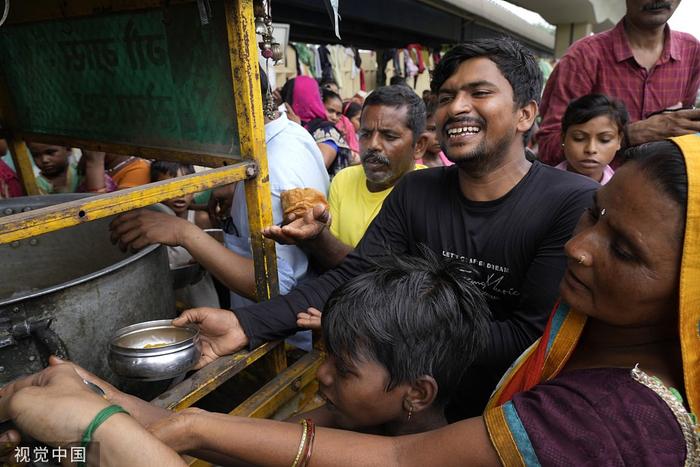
column 160, row 79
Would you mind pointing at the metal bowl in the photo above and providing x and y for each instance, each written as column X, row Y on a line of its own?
column 153, row 351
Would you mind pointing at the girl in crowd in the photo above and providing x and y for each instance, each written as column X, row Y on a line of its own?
column 302, row 95
column 433, row 156
column 593, row 131
column 593, row 390
column 352, row 111
column 334, row 109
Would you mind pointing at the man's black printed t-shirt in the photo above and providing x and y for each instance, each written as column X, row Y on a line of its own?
column 514, row 244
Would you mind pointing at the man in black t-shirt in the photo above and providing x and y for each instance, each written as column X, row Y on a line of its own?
column 505, row 217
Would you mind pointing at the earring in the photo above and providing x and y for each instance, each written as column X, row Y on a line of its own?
column 410, row 413
column 581, row 259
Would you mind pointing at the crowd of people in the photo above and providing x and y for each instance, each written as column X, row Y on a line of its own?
column 479, row 304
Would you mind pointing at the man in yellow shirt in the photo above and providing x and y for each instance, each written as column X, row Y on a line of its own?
column 391, row 127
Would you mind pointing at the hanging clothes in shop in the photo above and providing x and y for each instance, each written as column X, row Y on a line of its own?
column 337, row 57
column 317, row 62
column 410, row 67
column 306, row 56
column 397, row 62
column 326, row 67
column 416, row 55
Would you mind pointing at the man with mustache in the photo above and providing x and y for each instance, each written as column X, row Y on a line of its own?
column 507, row 219
column 391, row 126
column 654, row 71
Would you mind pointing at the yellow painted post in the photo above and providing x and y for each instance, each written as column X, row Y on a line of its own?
column 23, row 164
column 243, row 50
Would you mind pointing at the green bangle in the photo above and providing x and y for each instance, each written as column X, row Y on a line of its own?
column 99, row 419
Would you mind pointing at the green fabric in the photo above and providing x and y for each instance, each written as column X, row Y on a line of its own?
column 202, row 197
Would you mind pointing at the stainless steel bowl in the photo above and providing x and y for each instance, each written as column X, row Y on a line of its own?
column 153, row 351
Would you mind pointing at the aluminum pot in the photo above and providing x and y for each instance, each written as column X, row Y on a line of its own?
column 67, row 292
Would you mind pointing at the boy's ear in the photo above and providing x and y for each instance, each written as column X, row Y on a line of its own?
column 421, row 146
column 421, row 394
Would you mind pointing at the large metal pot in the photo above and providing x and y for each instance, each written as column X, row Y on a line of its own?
column 69, row 291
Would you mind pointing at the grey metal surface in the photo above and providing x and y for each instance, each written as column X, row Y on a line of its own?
column 84, row 287
column 153, row 351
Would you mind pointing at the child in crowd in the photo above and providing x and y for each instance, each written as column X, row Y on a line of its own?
column 202, row 292
column 593, row 131
column 433, row 156
column 352, row 111
column 398, row 339
column 61, row 172
column 334, row 111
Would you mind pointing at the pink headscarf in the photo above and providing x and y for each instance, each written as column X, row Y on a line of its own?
column 307, row 103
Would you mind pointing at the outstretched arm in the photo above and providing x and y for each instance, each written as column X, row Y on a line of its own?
column 312, row 234
column 267, row 442
column 140, row 228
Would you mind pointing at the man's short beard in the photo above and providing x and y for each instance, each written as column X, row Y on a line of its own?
column 481, row 160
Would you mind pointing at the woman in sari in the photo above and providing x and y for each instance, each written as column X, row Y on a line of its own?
column 593, row 390
column 304, row 98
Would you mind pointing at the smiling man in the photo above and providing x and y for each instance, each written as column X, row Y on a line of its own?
column 505, row 218
column 654, row 71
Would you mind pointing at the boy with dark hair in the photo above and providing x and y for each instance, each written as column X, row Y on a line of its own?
column 399, row 339
column 493, row 210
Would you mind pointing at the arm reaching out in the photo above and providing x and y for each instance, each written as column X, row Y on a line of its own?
column 140, row 228
column 311, row 232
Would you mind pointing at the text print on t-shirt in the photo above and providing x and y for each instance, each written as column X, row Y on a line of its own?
column 494, row 274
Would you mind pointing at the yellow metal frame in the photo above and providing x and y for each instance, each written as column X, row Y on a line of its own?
column 295, row 382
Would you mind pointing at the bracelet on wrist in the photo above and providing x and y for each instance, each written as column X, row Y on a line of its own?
column 99, row 419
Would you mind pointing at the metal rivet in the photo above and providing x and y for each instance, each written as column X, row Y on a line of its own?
column 15, row 309
column 32, row 358
column 296, row 384
column 8, row 211
column 33, row 241
column 14, row 244
column 2, row 369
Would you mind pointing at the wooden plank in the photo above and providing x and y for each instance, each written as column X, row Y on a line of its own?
column 243, row 50
column 210, row 377
column 146, row 152
column 297, row 380
column 286, row 385
column 40, row 221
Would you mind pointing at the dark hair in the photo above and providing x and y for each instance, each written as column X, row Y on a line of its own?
column 287, row 92
column 397, row 80
column 324, row 81
column 517, row 64
column 264, row 82
column 591, row 106
column 327, row 94
column 414, row 316
column 352, row 109
column 664, row 164
column 431, row 105
column 401, row 96
column 169, row 168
